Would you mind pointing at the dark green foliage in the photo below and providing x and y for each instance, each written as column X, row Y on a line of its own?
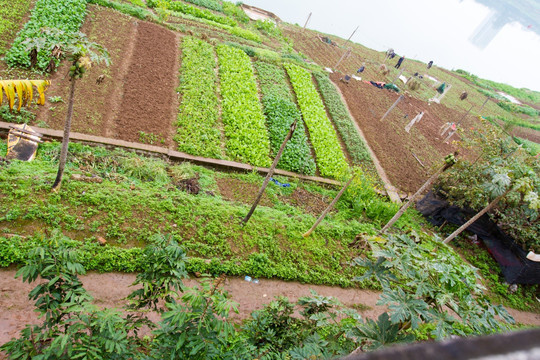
column 344, row 124
column 380, row 333
column 280, row 112
column 184, row 8
column 209, row 4
column 72, row 327
column 501, row 164
column 19, row 117
column 128, row 9
column 422, row 280
column 66, row 16
column 235, row 11
column 197, row 327
column 165, row 268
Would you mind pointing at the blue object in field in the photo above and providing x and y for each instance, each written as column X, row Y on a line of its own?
column 278, row 183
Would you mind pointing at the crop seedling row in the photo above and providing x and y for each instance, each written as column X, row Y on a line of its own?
column 198, row 133
column 343, row 121
column 247, row 136
column 234, row 30
column 280, row 113
column 330, row 159
column 11, row 14
column 66, row 16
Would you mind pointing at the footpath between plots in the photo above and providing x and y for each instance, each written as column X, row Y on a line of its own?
column 171, row 154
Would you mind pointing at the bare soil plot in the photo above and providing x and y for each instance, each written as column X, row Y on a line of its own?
column 392, row 145
column 138, row 92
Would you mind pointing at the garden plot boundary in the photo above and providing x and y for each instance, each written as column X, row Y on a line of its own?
column 171, row 154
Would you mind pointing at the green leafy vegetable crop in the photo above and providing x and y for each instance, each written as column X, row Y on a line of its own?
column 66, row 15
column 330, row 158
column 281, row 111
column 198, row 133
column 247, row 136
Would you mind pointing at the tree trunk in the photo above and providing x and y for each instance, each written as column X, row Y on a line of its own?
column 270, row 172
column 323, row 215
column 65, row 140
column 413, row 198
column 475, row 217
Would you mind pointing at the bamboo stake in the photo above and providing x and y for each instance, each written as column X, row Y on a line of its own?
column 329, row 207
column 309, row 17
column 475, row 217
column 270, row 173
column 342, row 57
column 392, row 107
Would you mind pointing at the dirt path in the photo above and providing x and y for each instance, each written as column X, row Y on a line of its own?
column 390, row 189
column 110, row 289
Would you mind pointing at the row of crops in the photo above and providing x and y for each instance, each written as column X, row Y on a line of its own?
column 223, row 114
column 257, row 110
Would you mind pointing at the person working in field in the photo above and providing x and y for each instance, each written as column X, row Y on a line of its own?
column 400, row 61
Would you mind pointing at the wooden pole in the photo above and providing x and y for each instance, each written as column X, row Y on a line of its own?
column 270, row 173
column 459, row 122
column 346, row 42
column 392, row 107
column 475, row 217
column 484, row 104
column 323, row 215
column 414, row 197
column 397, row 77
column 342, row 57
column 309, row 17
column 464, row 116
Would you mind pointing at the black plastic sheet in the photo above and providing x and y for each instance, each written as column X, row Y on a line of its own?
column 512, row 259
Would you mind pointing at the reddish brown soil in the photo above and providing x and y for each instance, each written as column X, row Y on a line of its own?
column 310, row 203
column 526, row 133
column 138, row 92
column 110, row 289
column 241, row 191
column 149, row 88
column 392, row 145
column 94, row 105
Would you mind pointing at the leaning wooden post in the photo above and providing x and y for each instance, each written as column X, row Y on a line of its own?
column 475, row 217
column 309, row 17
column 323, row 215
column 392, row 107
column 397, row 77
column 450, row 160
column 270, row 172
column 349, row 39
column 484, row 104
column 348, row 52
